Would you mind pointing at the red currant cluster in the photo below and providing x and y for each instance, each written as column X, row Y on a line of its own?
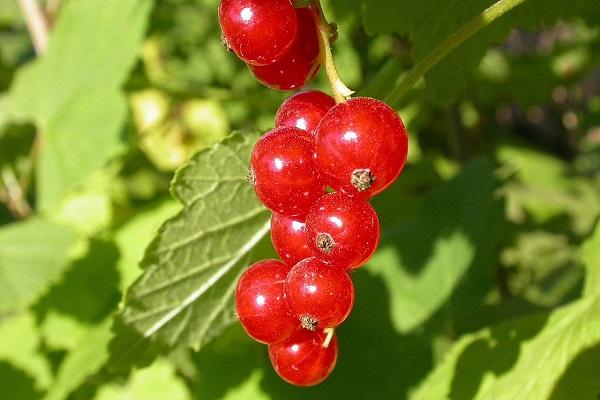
column 357, row 148
column 277, row 41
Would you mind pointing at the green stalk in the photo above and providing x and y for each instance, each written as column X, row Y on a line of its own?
column 489, row 15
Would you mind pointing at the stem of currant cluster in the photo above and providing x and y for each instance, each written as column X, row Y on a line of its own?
column 329, row 332
column 326, row 31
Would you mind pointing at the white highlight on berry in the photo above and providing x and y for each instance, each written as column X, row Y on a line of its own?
column 278, row 163
column 350, row 136
column 301, row 124
column 337, row 221
column 246, row 14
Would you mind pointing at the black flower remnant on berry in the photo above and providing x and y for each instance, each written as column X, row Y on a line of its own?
column 325, row 243
column 362, row 179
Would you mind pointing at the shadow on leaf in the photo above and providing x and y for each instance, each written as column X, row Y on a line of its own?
column 580, row 380
column 496, row 354
column 16, row 384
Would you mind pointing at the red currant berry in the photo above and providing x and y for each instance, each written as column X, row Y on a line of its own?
column 260, row 302
column 361, row 146
column 260, row 32
column 342, row 231
column 319, row 295
column 304, row 110
column 299, row 65
column 283, row 172
column 288, row 235
column 303, row 359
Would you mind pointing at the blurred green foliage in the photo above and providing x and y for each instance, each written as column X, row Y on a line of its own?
column 487, row 279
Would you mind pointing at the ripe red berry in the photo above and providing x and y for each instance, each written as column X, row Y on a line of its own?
column 302, row 359
column 288, row 235
column 319, row 295
column 261, row 305
column 304, row 110
column 361, row 146
column 260, row 32
column 283, row 172
column 299, row 65
column 342, row 231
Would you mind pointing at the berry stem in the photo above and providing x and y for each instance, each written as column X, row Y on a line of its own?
column 329, row 332
column 326, row 31
column 327, row 341
column 489, row 15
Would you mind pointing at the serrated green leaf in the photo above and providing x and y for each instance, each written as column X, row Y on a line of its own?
column 33, row 255
column 530, row 358
column 591, row 260
column 72, row 92
column 424, row 256
column 85, row 359
column 184, row 296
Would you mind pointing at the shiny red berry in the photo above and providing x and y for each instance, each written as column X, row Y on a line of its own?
column 361, row 146
column 300, row 64
column 260, row 302
column 303, row 359
column 283, row 172
column 288, row 235
column 320, row 295
column 304, row 110
column 342, row 231
column 260, row 32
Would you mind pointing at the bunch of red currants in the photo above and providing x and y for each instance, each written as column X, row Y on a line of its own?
column 357, row 148
column 278, row 41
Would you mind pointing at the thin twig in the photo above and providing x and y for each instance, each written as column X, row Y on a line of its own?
column 37, row 24
column 13, row 195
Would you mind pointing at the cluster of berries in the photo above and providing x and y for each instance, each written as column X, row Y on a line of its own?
column 357, row 148
column 278, row 41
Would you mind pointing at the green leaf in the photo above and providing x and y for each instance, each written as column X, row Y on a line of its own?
column 591, row 260
column 33, row 255
column 425, row 254
column 85, row 359
column 156, row 382
column 135, row 235
column 530, row 358
column 185, row 294
column 428, row 25
column 21, row 349
column 73, row 91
